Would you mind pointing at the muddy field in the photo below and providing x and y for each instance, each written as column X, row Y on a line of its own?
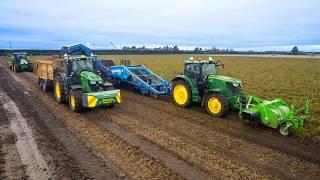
column 143, row 138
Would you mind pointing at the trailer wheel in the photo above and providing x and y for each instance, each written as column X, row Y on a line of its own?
column 283, row 131
column 59, row 91
column 217, row 105
column 75, row 100
column 40, row 82
column 45, row 87
column 181, row 94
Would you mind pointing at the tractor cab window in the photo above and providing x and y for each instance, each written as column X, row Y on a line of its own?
column 82, row 65
column 20, row 56
column 192, row 69
column 208, row 69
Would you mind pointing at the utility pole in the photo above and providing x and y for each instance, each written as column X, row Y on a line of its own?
column 10, row 45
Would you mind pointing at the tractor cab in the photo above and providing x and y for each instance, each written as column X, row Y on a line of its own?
column 81, row 72
column 200, row 71
column 18, row 61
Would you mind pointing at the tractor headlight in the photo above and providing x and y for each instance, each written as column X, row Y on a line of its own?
column 93, row 82
column 235, row 84
column 118, row 97
column 100, row 82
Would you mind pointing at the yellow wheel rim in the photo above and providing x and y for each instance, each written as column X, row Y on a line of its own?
column 214, row 105
column 180, row 94
column 72, row 102
column 58, row 94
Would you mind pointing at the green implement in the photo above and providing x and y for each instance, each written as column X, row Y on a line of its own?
column 275, row 114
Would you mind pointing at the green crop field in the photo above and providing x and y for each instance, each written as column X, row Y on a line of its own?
column 292, row 79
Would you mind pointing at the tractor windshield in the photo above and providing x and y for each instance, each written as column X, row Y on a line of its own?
column 82, row 65
column 208, row 69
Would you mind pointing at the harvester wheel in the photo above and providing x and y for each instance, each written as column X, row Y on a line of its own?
column 283, row 131
column 75, row 100
column 181, row 94
column 217, row 105
column 59, row 91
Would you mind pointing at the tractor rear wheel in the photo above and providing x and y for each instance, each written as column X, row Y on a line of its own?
column 75, row 100
column 217, row 105
column 181, row 94
column 59, row 91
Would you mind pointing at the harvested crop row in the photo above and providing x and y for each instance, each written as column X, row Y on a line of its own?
column 213, row 163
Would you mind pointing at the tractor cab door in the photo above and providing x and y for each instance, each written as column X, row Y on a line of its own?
column 77, row 67
column 74, row 73
column 194, row 72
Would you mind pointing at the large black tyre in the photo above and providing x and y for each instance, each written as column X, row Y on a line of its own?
column 16, row 68
column 59, row 91
column 216, row 104
column 75, row 100
column 30, row 68
column 44, row 86
column 181, row 93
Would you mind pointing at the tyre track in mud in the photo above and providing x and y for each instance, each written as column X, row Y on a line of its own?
column 11, row 166
column 129, row 159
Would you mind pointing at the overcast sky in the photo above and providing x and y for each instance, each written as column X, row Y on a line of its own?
column 235, row 24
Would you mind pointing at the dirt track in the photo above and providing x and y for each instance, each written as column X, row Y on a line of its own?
column 148, row 138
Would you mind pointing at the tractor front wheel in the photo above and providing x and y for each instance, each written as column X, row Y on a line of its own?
column 75, row 100
column 59, row 91
column 181, row 94
column 217, row 105
column 16, row 68
column 30, row 68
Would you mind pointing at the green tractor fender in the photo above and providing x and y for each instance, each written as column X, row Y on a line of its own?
column 193, row 87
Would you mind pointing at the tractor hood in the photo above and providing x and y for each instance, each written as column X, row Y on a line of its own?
column 90, row 76
column 225, row 78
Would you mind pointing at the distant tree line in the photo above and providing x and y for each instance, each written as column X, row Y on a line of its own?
column 163, row 50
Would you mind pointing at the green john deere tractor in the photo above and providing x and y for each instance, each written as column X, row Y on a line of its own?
column 19, row 61
column 201, row 83
column 77, row 84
